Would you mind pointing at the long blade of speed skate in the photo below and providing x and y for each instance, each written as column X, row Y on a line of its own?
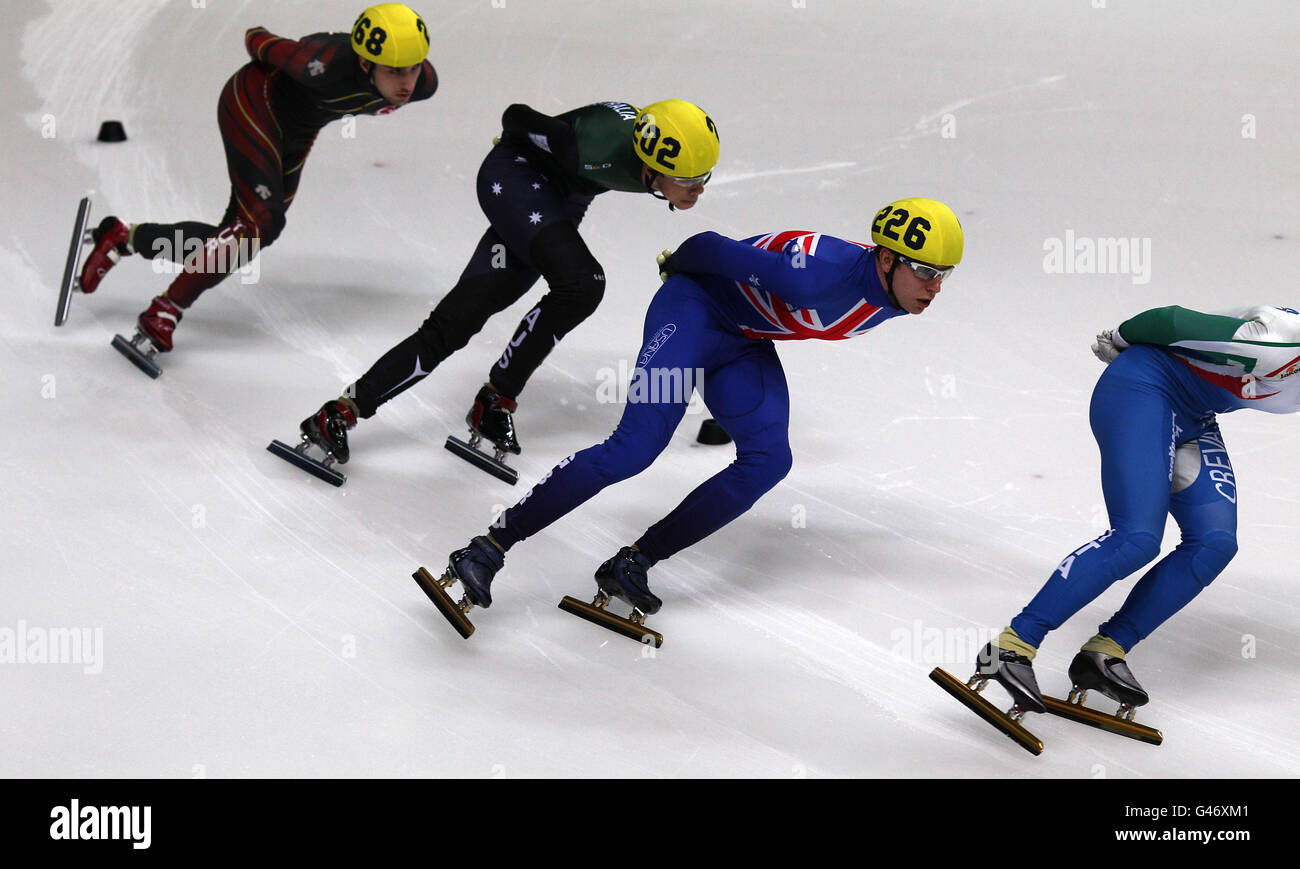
column 445, row 604
column 307, row 463
column 986, row 710
column 1109, row 723
column 139, row 359
column 70, row 277
column 604, row 618
column 481, row 460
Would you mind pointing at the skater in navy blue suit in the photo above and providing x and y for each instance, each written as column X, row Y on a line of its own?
column 717, row 315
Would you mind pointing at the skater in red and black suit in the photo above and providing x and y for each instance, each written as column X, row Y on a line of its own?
column 269, row 114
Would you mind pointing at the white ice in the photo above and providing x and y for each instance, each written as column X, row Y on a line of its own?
column 257, row 622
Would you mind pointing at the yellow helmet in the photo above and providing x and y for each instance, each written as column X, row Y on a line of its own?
column 676, row 138
column 920, row 229
column 391, row 34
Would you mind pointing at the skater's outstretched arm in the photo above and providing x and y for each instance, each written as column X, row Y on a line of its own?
column 791, row 274
column 1264, row 338
column 318, row 61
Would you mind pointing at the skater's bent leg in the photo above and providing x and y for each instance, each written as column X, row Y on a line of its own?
column 1135, row 434
column 750, row 399
column 649, row 419
column 1206, row 512
column 481, row 292
column 577, row 284
column 255, row 217
column 641, row 436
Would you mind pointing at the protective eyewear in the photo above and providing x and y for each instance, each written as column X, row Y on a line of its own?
column 690, row 182
column 923, row 271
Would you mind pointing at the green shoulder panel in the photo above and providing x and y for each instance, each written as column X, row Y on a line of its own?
column 1168, row 326
column 606, row 155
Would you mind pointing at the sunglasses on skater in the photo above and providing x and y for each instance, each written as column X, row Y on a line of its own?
column 923, row 271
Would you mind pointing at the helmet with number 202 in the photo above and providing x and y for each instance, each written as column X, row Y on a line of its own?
column 676, row 138
column 391, row 34
column 924, row 230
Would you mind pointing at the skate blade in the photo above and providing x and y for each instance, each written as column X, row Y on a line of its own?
column 986, row 710
column 1110, row 723
column 449, row 609
column 603, row 617
column 140, row 359
column 299, row 458
column 482, row 460
column 71, row 278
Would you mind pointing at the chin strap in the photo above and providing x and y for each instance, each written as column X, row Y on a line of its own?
column 889, row 283
column 650, row 188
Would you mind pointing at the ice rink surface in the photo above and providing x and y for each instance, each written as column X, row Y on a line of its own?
column 248, row 620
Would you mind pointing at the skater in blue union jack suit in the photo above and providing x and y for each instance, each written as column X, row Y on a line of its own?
column 723, row 304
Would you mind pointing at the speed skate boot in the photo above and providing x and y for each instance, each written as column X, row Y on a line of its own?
column 491, row 419
column 328, row 428
column 1014, row 672
column 158, row 322
column 1108, row 674
column 154, row 328
column 1008, row 660
column 110, row 241
column 623, row 577
column 1100, row 667
column 474, row 567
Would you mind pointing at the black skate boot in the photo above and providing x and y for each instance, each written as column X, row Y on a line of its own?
column 1097, row 671
column 1100, row 667
column 474, row 567
column 328, row 429
column 1013, row 672
column 492, row 418
column 623, row 577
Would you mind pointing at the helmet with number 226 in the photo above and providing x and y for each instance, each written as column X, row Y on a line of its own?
column 676, row 138
column 391, row 34
column 924, row 230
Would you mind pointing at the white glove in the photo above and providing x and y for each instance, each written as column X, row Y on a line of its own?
column 662, row 260
column 1109, row 345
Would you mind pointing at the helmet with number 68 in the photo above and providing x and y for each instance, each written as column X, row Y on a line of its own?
column 391, row 34
column 924, row 230
column 676, row 138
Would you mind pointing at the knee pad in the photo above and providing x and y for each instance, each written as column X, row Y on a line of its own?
column 575, row 277
column 1137, row 548
column 1211, row 555
column 767, row 468
column 576, row 294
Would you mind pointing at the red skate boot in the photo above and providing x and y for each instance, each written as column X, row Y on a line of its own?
column 159, row 322
column 153, row 335
column 110, row 240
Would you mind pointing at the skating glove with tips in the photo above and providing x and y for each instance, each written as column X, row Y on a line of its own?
column 665, row 268
column 1109, row 345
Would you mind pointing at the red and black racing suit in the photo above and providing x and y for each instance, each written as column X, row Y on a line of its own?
column 269, row 114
